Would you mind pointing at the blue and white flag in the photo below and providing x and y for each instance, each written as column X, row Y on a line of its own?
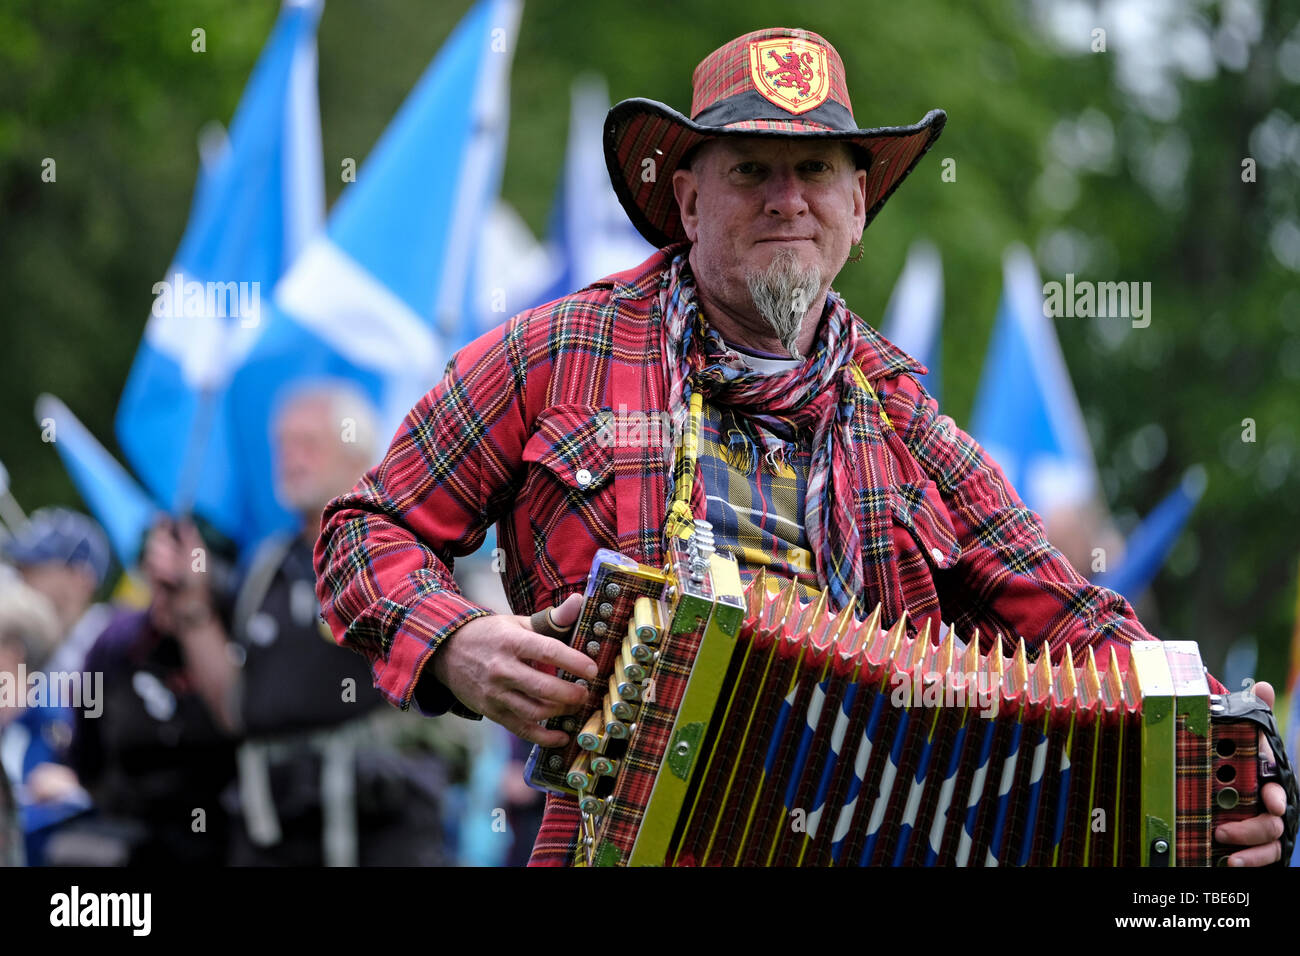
column 1152, row 540
column 914, row 316
column 1026, row 414
column 257, row 201
column 590, row 233
column 374, row 297
column 512, row 272
column 114, row 498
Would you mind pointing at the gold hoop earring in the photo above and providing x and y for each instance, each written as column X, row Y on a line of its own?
column 861, row 253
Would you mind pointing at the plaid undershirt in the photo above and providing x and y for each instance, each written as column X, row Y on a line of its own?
column 757, row 513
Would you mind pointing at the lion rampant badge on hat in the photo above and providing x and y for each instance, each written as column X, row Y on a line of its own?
column 791, row 73
column 777, row 82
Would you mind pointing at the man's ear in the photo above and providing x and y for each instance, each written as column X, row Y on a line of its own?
column 860, row 200
column 686, row 189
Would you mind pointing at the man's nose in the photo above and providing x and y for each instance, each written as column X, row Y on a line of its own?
column 785, row 196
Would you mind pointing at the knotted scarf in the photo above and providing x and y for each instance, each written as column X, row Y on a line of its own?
column 817, row 398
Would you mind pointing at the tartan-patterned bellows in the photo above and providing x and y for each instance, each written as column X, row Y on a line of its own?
column 775, row 82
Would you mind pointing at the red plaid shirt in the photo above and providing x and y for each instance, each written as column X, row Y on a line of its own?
column 513, row 434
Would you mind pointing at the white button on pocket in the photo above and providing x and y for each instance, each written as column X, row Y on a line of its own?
column 583, row 476
column 937, row 555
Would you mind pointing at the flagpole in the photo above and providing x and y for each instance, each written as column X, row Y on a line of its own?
column 187, row 485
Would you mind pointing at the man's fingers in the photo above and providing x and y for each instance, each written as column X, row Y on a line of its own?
column 1264, row 691
column 1274, row 799
column 535, row 733
column 529, row 708
column 1257, row 855
column 547, row 650
column 1262, row 828
column 562, row 694
column 568, row 612
column 188, row 535
column 509, row 716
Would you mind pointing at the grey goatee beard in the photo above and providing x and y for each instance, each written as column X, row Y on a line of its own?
column 782, row 294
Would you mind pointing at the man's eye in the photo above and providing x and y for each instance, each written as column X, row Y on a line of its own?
column 746, row 168
column 817, row 166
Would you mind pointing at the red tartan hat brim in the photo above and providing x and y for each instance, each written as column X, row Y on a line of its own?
column 645, row 142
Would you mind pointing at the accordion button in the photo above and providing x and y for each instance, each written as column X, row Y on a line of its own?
column 593, row 648
column 612, row 590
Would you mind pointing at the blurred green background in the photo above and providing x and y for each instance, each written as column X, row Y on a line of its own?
column 1117, row 165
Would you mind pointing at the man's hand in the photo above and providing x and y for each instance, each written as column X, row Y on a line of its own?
column 181, row 595
column 1260, row 833
column 488, row 665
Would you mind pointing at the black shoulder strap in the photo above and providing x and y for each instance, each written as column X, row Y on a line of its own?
column 252, row 590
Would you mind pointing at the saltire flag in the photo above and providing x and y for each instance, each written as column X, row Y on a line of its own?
column 1026, row 414
column 914, row 316
column 374, row 296
column 123, row 509
column 257, row 201
column 1150, row 543
column 512, row 272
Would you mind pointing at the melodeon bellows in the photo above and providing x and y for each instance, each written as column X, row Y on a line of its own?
column 742, row 726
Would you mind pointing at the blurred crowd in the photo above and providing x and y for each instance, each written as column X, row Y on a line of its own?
column 196, row 711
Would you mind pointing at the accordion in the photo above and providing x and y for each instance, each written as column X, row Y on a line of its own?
column 736, row 726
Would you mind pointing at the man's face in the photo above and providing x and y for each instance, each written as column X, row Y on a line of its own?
column 747, row 200
column 313, row 461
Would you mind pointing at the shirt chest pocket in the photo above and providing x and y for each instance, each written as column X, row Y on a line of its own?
column 922, row 524
column 568, row 491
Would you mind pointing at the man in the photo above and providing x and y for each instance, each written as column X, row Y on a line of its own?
column 820, row 458
column 303, row 700
column 162, row 749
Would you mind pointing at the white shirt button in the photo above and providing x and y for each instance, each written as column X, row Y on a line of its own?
column 583, row 476
column 937, row 555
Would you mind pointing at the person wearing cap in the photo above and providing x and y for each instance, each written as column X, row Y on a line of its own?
column 65, row 556
column 820, row 456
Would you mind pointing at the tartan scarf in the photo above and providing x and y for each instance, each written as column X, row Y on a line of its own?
column 815, row 398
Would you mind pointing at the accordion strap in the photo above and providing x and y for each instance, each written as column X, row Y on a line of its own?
column 681, row 520
column 1245, row 705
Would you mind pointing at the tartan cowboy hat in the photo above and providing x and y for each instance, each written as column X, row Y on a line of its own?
column 775, row 82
